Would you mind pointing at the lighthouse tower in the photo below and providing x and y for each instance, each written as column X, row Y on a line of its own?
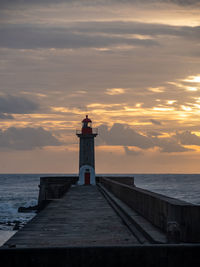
column 86, row 153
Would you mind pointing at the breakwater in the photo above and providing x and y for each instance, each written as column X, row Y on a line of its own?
column 109, row 222
column 171, row 215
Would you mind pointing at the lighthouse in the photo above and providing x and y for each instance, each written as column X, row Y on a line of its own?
column 86, row 153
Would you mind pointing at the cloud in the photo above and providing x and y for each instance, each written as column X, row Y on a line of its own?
column 182, row 2
column 31, row 37
column 131, row 152
column 115, row 91
column 169, row 145
column 16, row 105
column 188, row 138
column 154, row 134
column 133, row 27
column 178, row 2
column 97, row 2
column 122, row 135
column 27, row 138
column 4, row 116
column 156, row 122
column 91, row 34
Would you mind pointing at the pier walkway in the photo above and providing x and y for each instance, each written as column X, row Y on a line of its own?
column 82, row 217
column 104, row 225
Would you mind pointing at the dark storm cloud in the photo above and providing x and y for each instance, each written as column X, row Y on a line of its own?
column 26, row 138
column 24, row 37
column 16, row 105
column 122, row 135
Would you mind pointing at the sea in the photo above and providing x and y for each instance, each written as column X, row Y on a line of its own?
column 18, row 190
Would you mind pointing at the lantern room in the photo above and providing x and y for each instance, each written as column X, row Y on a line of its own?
column 86, row 126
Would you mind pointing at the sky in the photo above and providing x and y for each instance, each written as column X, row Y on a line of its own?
column 132, row 65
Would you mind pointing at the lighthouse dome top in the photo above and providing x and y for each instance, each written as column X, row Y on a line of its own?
column 86, row 119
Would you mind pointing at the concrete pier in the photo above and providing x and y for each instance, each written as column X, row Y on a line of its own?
column 111, row 224
column 172, row 216
column 54, row 187
column 82, row 217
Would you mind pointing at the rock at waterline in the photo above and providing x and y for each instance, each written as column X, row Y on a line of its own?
column 28, row 209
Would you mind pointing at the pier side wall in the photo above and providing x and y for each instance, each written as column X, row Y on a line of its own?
column 54, row 187
column 159, row 209
column 128, row 180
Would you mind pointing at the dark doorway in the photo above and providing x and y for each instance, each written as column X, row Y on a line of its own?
column 87, row 178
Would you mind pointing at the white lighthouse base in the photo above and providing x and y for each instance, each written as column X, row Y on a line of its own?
column 86, row 175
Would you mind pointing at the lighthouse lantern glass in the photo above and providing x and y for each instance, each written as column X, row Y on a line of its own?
column 86, row 124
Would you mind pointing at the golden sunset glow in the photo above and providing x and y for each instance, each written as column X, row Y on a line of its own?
column 193, row 79
column 131, row 66
column 194, row 89
column 171, row 102
column 115, row 91
column 156, row 89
